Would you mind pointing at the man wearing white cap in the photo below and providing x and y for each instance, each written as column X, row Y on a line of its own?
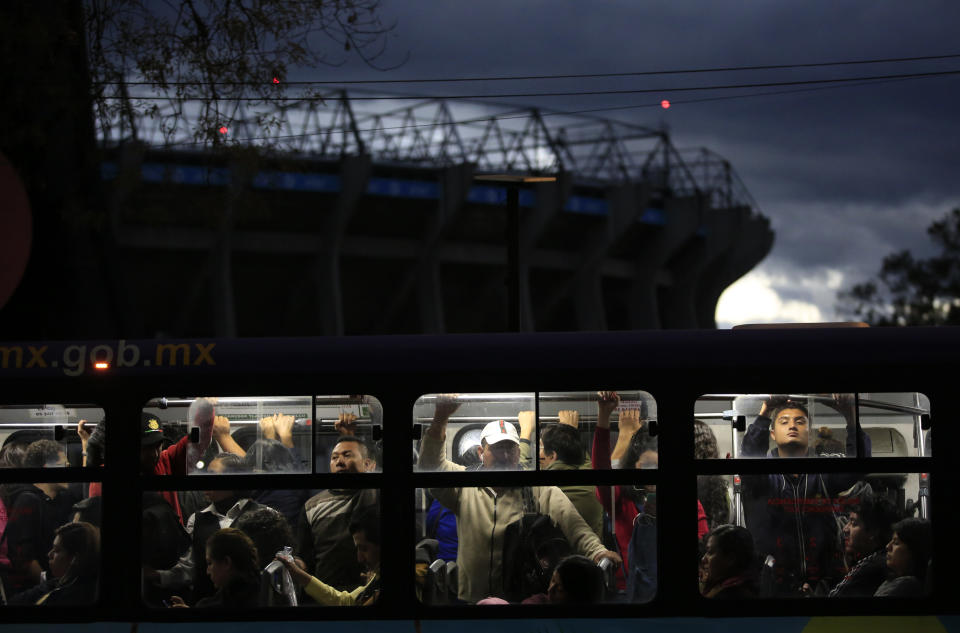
column 484, row 513
column 500, row 446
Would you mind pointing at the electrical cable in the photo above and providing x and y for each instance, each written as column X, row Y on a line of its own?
column 527, row 114
column 801, row 82
column 644, row 73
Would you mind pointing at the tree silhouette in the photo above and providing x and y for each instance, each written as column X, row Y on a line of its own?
column 71, row 64
column 199, row 58
column 910, row 290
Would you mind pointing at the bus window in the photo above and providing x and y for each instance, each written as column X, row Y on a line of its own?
column 458, row 562
column 897, row 423
column 833, row 535
column 775, row 425
column 613, row 430
column 341, row 417
column 76, row 428
column 812, row 425
column 49, row 550
column 268, row 434
column 228, row 555
column 455, row 429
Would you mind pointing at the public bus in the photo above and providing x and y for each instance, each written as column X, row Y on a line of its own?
column 898, row 381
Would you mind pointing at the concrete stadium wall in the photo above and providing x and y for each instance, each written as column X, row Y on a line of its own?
column 355, row 247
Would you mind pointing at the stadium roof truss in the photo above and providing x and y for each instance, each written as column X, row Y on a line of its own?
column 433, row 132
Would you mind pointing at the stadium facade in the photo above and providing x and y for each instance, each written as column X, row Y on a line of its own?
column 366, row 216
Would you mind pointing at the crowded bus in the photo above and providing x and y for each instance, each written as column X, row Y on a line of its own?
column 493, row 476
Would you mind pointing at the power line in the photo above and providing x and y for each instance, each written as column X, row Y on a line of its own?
column 582, row 93
column 527, row 115
column 644, row 73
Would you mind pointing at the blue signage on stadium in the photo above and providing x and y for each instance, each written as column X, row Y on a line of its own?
column 330, row 183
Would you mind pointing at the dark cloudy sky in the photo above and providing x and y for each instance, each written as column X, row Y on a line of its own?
column 846, row 175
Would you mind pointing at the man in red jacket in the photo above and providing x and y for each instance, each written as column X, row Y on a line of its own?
column 174, row 459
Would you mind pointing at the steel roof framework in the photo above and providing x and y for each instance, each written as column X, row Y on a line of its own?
column 434, row 132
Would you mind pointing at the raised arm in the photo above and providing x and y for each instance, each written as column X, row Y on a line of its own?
column 346, row 423
column 284, row 427
column 628, row 426
column 756, row 441
column 84, row 434
column 221, row 433
column 578, row 532
column 572, row 419
column 432, row 447
column 528, row 422
column 607, row 402
column 321, row 592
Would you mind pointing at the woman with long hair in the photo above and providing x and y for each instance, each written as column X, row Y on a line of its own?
column 74, row 569
column 908, row 555
column 727, row 568
column 712, row 490
column 233, row 569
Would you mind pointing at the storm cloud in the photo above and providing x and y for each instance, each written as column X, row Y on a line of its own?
column 846, row 174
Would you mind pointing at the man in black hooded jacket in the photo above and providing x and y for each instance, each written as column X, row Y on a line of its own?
column 793, row 517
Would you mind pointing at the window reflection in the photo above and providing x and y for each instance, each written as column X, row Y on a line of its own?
column 265, row 435
column 897, row 423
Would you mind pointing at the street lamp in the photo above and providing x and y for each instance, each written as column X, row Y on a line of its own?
column 512, row 237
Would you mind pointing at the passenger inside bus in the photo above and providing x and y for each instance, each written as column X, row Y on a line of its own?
column 187, row 577
column 728, row 568
column 174, row 460
column 713, row 493
column 323, row 534
column 441, row 522
column 575, row 580
column 802, row 539
column 73, row 569
column 908, row 560
column 484, row 514
column 866, row 534
column 231, row 567
column 618, row 502
column 34, row 512
column 364, row 529
column 560, row 449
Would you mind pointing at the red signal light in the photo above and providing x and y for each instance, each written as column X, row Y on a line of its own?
column 223, row 129
column 275, row 80
column 665, row 104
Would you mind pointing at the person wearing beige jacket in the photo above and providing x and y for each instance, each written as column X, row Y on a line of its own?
column 484, row 513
